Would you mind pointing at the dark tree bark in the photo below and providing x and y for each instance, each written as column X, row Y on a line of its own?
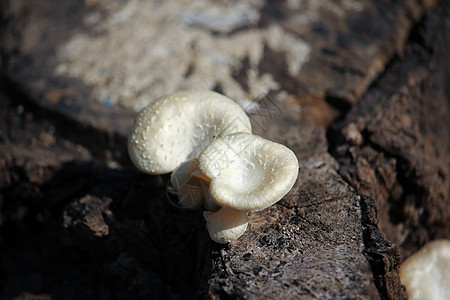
column 394, row 145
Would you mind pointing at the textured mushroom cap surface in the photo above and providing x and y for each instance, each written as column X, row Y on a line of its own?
column 225, row 225
column 177, row 127
column 248, row 173
column 426, row 274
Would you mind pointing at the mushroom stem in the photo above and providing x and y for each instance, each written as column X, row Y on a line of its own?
column 225, row 225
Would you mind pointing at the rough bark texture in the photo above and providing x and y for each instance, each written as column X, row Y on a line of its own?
column 73, row 228
column 77, row 222
column 394, row 145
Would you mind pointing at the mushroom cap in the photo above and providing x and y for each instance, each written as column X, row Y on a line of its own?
column 426, row 274
column 177, row 127
column 248, row 173
column 225, row 225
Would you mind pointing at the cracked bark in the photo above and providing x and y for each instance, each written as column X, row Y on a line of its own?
column 393, row 145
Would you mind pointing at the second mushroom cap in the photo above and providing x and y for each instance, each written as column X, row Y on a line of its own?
column 248, row 173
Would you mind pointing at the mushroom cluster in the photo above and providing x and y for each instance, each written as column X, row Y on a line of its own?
column 217, row 164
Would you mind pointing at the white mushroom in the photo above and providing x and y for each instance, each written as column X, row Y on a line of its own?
column 426, row 274
column 177, row 127
column 248, row 173
column 225, row 225
column 205, row 139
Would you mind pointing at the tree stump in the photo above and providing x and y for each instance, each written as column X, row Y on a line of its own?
column 357, row 89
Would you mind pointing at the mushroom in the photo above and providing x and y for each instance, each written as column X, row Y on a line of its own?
column 248, row 173
column 177, row 127
column 426, row 274
column 225, row 225
column 205, row 139
column 244, row 173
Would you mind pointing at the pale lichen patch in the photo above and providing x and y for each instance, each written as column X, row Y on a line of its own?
column 166, row 44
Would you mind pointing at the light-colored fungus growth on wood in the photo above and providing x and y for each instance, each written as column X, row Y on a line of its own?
column 217, row 165
column 426, row 274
